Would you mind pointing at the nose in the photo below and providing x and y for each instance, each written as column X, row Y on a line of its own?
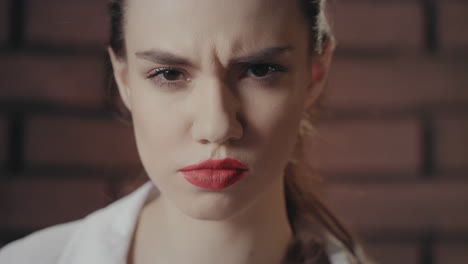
column 215, row 115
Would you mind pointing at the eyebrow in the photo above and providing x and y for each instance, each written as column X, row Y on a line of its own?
column 163, row 57
column 263, row 55
column 167, row 58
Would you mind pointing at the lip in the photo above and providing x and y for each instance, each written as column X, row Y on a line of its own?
column 215, row 174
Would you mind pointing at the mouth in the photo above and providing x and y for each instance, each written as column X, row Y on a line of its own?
column 215, row 174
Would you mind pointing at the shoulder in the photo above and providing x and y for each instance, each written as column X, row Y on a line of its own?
column 43, row 246
column 100, row 237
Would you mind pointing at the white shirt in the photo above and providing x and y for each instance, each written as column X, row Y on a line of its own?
column 103, row 237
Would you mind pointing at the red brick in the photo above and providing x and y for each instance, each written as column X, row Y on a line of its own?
column 453, row 25
column 80, row 142
column 451, row 253
column 416, row 207
column 354, row 146
column 396, row 82
column 452, row 143
column 32, row 203
column 391, row 253
column 3, row 139
column 67, row 22
column 4, row 20
column 383, row 25
column 71, row 80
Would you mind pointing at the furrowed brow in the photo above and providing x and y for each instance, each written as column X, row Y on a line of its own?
column 167, row 58
column 263, row 55
column 163, row 57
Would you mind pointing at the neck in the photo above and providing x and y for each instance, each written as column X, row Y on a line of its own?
column 259, row 234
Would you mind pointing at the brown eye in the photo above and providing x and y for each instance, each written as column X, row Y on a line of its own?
column 259, row 70
column 264, row 70
column 171, row 75
column 168, row 77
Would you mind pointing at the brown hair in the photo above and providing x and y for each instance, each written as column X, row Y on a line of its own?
column 309, row 217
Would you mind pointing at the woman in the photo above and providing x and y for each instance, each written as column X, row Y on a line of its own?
column 220, row 95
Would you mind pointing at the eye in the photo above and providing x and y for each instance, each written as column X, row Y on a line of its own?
column 259, row 70
column 168, row 74
column 263, row 70
column 167, row 77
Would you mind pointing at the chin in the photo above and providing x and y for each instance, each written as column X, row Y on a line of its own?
column 213, row 207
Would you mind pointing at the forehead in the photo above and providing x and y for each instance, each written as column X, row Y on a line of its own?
column 227, row 26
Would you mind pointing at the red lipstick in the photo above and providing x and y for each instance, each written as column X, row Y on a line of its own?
column 215, row 174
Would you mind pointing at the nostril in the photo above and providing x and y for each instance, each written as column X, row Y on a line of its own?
column 204, row 141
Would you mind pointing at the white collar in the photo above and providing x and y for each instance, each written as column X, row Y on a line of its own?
column 104, row 236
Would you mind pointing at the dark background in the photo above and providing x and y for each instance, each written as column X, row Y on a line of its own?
column 394, row 144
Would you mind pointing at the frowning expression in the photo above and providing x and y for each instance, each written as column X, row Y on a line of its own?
column 214, row 79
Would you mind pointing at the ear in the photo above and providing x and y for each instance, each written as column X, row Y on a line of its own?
column 319, row 67
column 120, row 71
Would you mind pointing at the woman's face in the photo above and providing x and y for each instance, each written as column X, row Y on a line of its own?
column 214, row 79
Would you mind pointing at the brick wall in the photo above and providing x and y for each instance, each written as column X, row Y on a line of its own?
column 393, row 142
column 394, row 138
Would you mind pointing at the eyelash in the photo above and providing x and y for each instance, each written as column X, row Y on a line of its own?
column 153, row 74
column 272, row 68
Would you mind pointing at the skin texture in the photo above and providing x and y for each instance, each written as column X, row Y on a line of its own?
column 214, row 106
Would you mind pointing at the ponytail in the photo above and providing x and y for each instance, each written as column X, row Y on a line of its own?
column 312, row 222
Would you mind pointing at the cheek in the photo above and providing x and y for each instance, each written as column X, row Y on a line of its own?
column 273, row 127
column 157, row 124
column 275, row 118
